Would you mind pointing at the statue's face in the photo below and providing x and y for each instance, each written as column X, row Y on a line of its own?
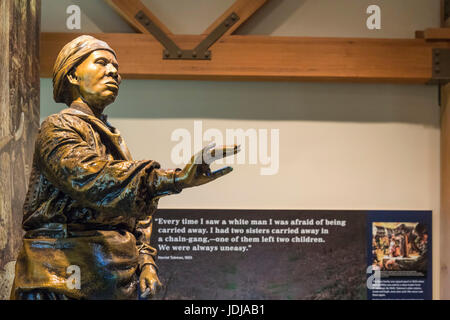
column 97, row 78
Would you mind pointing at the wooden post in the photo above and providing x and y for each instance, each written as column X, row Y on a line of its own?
column 445, row 192
column 19, row 121
column 444, row 280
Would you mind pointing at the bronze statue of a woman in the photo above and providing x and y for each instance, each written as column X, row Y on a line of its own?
column 89, row 205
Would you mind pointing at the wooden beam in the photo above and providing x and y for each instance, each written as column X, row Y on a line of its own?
column 243, row 8
column 128, row 10
column 266, row 58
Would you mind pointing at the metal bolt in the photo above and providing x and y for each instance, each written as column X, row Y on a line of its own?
column 437, row 70
column 194, row 54
column 233, row 17
column 207, row 54
column 180, row 54
column 166, row 53
column 227, row 24
column 437, row 53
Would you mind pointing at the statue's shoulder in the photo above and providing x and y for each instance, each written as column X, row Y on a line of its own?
column 66, row 117
column 67, row 113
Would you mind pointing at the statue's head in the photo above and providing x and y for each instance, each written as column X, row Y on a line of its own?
column 86, row 68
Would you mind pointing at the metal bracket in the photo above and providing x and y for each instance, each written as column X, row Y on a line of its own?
column 441, row 69
column 173, row 52
column 441, row 66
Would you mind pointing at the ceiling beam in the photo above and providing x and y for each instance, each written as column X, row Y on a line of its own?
column 128, row 10
column 266, row 58
column 243, row 8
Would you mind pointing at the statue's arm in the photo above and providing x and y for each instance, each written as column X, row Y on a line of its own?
column 111, row 187
column 147, row 253
column 147, row 270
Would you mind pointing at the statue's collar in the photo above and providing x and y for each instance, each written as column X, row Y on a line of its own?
column 83, row 109
column 101, row 125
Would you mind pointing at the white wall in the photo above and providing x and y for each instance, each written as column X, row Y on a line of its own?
column 342, row 146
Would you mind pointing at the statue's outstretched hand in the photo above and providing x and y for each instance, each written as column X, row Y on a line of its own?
column 198, row 172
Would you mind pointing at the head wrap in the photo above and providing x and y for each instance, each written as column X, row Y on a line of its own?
column 69, row 57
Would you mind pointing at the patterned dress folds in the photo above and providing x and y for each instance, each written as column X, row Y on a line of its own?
column 88, row 205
